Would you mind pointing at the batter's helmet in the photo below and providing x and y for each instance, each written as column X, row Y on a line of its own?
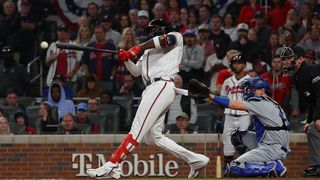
column 250, row 85
column 238, row 57
column 158, row 27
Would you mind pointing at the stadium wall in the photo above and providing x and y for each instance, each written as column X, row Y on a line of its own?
column 67, row 156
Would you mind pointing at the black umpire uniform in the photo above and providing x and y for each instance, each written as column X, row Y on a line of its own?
column 307, row 80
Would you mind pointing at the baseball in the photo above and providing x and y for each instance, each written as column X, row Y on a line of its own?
column 44, row 45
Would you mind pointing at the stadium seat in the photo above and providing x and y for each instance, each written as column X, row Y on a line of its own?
column 168, row 128
column 100, row 120
column 72, row 85
column 107, row 86
column 126, row 105
column 32, row 109
column 112, row 112
column 17, row 129
column 85, row 128
column 35, row 122
column 9, row 112
column 205, row 123
column 27, row 101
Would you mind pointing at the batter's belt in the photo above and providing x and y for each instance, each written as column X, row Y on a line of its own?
column 158, row 79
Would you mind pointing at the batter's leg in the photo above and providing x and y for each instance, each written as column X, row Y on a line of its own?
column 195, row 160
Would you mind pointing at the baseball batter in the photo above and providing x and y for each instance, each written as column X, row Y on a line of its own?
column 234, row 119
column 271, row 126
column 158, row 63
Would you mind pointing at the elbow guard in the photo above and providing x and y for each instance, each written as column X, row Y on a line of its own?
column 222, row 101
column 164, row 41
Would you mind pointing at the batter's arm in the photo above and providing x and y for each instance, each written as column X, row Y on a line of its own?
column 164, row 41
column 227, row 103
column 134, row 69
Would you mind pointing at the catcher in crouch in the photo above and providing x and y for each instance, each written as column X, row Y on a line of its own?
column 271, row 128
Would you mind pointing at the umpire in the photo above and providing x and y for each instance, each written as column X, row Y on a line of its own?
column 307, row 80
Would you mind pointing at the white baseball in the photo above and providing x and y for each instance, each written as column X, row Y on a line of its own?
column 44, row 45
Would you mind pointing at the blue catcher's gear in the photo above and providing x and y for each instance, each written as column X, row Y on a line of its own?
column 158, row 27
column 250, row 85
column 255, row 169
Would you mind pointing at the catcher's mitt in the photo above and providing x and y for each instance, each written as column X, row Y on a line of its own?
column 198, row 91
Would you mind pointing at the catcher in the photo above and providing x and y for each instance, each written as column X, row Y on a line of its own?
column 271, row 128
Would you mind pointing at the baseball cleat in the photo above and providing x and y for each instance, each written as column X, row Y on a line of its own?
column 197, row 165
column 108, row 170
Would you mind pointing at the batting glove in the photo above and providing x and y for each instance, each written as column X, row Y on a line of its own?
column 134, row 52
column 123, row 55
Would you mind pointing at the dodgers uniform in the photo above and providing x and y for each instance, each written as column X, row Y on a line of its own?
column 234, row 119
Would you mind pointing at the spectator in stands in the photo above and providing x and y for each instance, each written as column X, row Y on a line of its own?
column 20, row 118
column 83, row 36
column 112, row 36
column 215, row 63
column 311, row 41
column 278, row 13
column 92, row 87
column 204, row 41
column 93, row 15
column 159, row 10
column 174, row 19
column 173, row 5
column 305, row 16
column 229, row 26
column 9, row 26
column 181, row 104
column 68, row 125
column 217, row 34
column 1, row 112
column 13, row 75
column 106, row 97
column 4, row 126
column 59, row 79
column 258, row 64
column 57, row 98
column 247, row 13
column 184, row 16
column 235, row 7
column 133, row 15
column 182, row 125
column 102, row 64
column 192, row 57
column 28, row 25
column 93, row 106
column 204, row 15
column 193, row 19
column 129, row 87
column 141, row 31
column 48, row 123
column 128, row 40
column 82, row 117
column 291, row 22
column 243, row 44
column 62, row 61
column 124, row 22
column 280, row 85
column 273, row 45
column 263, row 31
column 108, row 9
column 252, row 35
column 12, row 100
column 310, row 57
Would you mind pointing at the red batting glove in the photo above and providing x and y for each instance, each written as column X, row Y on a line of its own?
column 123, row 55
column 134, row 52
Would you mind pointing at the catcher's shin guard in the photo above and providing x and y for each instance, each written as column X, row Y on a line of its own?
column 127, row 145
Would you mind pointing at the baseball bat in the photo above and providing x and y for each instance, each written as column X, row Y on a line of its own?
column 83, row 48
column 218, row 162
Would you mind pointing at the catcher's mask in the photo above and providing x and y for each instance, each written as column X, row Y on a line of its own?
column 287, row 54
column 250, row 85
column 158, row 27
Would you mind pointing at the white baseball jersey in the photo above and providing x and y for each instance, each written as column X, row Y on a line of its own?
column 231, row 88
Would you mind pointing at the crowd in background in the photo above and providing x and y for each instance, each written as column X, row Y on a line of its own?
column 77, row 83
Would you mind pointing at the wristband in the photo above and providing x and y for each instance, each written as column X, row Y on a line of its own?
column 222, row 101
column 156, row 42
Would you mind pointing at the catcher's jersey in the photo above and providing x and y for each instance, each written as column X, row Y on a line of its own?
column 162, row 62
column 266, row 112
column 231, row 88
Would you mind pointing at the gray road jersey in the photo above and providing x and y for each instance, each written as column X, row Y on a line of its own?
column 268, row 113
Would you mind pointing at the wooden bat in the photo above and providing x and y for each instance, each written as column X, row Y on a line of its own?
column 218, row 162
column 83, row 48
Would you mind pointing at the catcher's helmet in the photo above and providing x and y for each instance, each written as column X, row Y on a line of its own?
column 158, row 27
column 285, row 54
column 250, row 85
